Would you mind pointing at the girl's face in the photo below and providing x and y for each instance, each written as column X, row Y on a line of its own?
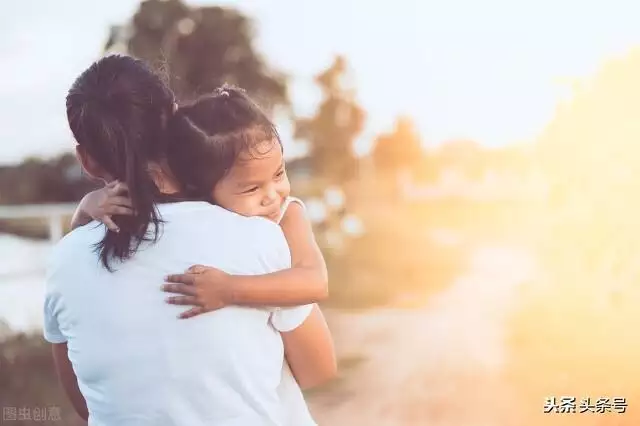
column 257, row 184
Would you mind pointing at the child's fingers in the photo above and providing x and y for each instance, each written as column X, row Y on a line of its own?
column 121, row 210
column 192, row 312
column 187, row 290
column 110, row 224
column 182, row 300
column 112, row 184
column 119, row 200
column 184, row 279
column 196, row 269
column 118, row 188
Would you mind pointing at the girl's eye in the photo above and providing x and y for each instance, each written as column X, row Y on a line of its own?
column 280, row 174
column 250, row 190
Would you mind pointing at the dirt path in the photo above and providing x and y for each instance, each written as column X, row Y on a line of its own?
column 440, row 364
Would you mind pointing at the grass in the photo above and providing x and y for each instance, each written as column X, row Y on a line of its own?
column 575, row 333
column 28, row 380
column 570, row 346
column 395, row 258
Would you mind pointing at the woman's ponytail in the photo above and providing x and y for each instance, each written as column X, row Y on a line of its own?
column 118, row 110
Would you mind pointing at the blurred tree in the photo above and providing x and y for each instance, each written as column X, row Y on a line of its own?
column 590, row 155
column 200, row 48
column 39, row 181
column 331, row 132
column 517, row 159
column 398, row 150
column 591, row 145
column 466, row 157
column 430, row 167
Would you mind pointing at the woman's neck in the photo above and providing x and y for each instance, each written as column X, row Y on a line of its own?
column 163, row 178
column 169, row 190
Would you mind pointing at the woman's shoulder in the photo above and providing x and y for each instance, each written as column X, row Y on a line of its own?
column 77, row 241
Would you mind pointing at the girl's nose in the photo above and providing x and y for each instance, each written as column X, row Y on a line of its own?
column 270, row 197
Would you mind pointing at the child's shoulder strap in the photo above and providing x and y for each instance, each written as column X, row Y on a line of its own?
column 287, row 203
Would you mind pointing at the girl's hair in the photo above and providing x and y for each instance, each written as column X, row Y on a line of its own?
column 117, row 111
column 205, row 138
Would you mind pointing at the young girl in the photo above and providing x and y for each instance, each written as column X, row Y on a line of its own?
column 246, row 165
column 227, row 143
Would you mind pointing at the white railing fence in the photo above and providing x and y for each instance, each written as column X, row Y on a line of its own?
column 54, row 214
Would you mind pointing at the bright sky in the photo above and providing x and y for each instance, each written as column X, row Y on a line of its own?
column 489, row 70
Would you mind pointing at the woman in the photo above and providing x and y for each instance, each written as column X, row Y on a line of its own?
column 122, row 356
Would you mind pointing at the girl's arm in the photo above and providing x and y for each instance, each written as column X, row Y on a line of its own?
column 305, row 282
column 80, row 216
column 101, row 204
column 207, row 289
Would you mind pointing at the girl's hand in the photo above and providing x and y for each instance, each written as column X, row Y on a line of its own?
column 205, row 288
column 105, row 202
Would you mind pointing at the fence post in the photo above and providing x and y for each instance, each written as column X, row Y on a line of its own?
column 55, row 228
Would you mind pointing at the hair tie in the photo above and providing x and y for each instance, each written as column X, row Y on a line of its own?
column 224, row 93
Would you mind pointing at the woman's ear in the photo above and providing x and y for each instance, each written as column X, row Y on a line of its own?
column 91, row 168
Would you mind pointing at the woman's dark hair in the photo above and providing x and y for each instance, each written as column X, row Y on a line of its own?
column 206, row 137
column 117, row 111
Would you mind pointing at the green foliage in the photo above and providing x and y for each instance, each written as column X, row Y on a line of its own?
column 399, row 149
column 37, row 181
column 201, row 48
column 28, row 381
column 331, row 132
column 575, row 329
column 590, row 154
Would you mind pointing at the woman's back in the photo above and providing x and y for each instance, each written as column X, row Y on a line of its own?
column 136, row 363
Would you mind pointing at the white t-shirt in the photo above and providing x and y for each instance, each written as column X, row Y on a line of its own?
column 136, row 363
